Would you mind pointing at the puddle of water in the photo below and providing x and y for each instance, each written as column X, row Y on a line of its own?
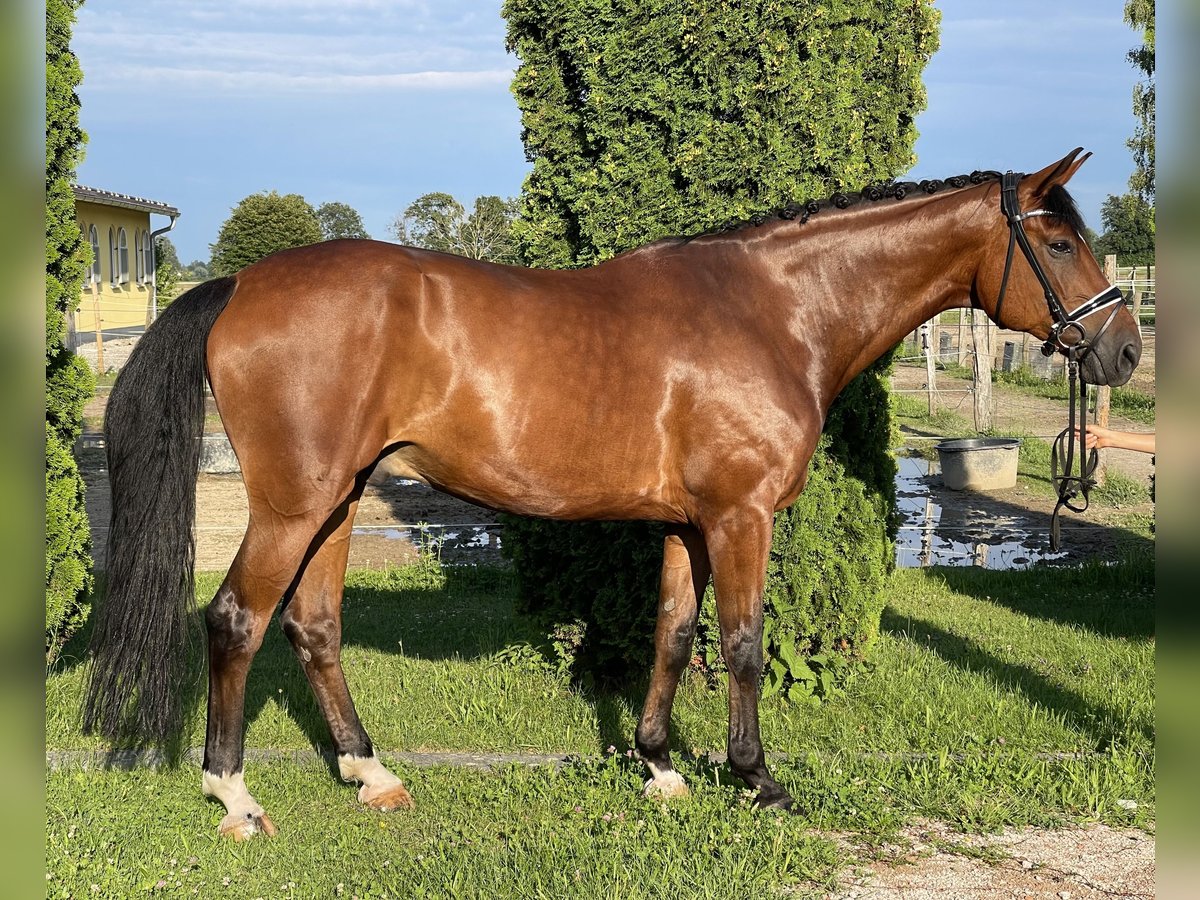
column 932, row 534
column 450, row 541
column 959, row 532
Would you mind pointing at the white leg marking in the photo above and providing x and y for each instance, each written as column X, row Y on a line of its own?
column 380, row 788
column 245, row 817
column 664, row 783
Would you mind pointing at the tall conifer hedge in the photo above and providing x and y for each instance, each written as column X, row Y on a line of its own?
column 69, row 380
column 669, row 117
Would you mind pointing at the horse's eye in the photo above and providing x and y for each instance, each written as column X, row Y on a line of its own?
column 1061, row 247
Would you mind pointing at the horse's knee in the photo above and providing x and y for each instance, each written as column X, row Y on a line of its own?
column 743, row 652
column 679, row 639
column 317, row 641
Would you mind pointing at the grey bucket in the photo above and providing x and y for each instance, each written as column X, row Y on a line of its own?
column 978, row 464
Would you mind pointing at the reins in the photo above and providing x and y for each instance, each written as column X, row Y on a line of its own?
column 1068, row 484
column 1062, row 454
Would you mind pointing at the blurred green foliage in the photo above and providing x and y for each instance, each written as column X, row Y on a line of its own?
column 69, row 381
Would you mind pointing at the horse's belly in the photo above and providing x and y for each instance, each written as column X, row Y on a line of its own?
column 578, row 489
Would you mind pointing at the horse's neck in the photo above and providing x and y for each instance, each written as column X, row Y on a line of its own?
column 863, row 289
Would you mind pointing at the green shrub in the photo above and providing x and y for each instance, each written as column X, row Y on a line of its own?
column 592, row 585
column 69, row 381
column 830, row 553
column 68, row 546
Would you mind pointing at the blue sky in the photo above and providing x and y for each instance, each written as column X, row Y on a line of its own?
column 375, row 102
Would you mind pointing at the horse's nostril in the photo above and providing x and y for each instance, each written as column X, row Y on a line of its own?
column 1132, row 352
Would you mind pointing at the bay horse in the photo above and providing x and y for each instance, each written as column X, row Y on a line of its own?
column 685, row 382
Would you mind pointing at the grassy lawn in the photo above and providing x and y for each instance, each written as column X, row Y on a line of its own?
column 993, row 698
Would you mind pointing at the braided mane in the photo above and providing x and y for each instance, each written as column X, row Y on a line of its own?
column 896, row 190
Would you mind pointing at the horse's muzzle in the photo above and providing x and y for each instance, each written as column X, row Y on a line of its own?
column 1112, row 361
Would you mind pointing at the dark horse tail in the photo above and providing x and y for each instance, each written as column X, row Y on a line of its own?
column 145, row 626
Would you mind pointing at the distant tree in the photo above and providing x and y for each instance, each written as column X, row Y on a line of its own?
column 260, row 225
column 196, row 270
column 1140, row 14
column 1128, row 230
column 166, row 271
column 69, row 380
column 430, row 221
column 437, row 221
column 165, row 253
column 340, row 220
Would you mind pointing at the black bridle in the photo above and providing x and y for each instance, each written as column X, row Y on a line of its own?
column 1062, row 457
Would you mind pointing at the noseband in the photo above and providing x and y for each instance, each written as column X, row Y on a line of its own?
column 1062, row 456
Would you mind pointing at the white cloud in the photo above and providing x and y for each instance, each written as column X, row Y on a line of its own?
column 264, row 46
column 246, row 83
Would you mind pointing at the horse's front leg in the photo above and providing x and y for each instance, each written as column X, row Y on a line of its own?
column 684, row 576
column 738, row 546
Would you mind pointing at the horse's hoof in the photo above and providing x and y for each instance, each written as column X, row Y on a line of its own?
column 385, row 798
column 244, row 826
column 777, row 799
column 666, row 786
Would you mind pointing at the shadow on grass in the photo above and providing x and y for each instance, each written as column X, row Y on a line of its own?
column 1078, row 712
column 470, row 615
column 1112, row 600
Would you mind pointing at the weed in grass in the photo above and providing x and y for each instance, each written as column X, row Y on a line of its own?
column 1120, row 490
column 987, row 853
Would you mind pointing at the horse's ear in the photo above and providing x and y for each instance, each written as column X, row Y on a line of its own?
column 1058, row 173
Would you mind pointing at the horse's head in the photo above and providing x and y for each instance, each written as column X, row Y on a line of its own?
column 1047, row 283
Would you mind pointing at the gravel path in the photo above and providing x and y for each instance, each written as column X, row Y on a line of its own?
column 933, row 862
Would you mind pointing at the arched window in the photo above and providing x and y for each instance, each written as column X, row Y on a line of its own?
column 148, row 244
column 94, row 240
column 139, row 257
column 123, row 255
column 114, row 263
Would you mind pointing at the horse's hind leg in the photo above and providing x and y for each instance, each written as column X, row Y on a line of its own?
column 265, row 566
column 312, row 620
column 685, row 573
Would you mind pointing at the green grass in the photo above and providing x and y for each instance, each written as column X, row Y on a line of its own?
column 992, row 699
column 583, row 832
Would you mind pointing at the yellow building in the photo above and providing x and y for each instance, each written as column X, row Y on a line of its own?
column 118, row 292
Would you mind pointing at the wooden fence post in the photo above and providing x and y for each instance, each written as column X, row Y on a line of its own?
column 1137, row 306
column 1104, row 392
column 981, row 367
column 962, row 337
column 926, row 332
